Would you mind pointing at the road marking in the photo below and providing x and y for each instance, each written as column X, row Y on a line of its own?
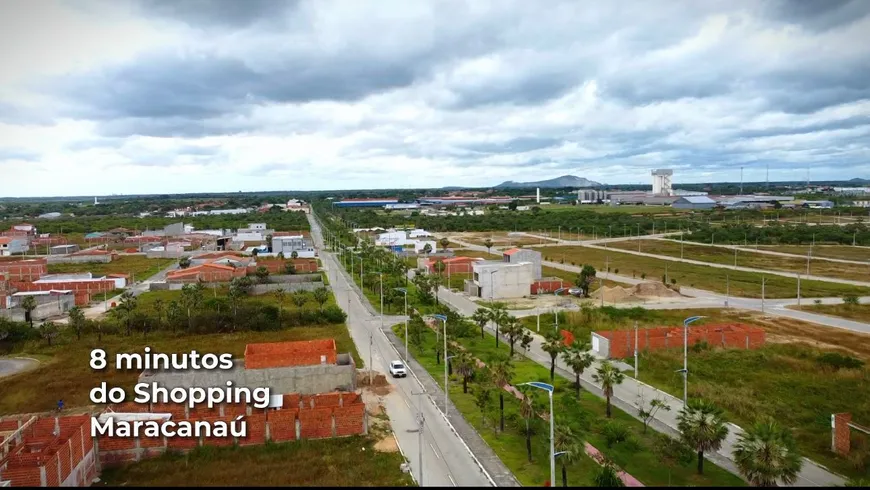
column 406, row 402
column 434, row 451
column 451, row 479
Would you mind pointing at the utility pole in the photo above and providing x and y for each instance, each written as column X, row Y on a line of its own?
column 809, row 253
column 762, row 293
column 727, row 289
column 735, row 256
column 681, row 244
column 635, row 349
column 799, row 290
column 371, row 360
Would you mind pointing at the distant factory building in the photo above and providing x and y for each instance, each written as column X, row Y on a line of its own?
column 694, row 202
column 364, row 203
column 818, row 204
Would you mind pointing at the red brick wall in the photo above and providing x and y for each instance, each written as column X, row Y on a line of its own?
column 284, row 354
column 729, row 335
column 842, row 433
column 24, row 270
column 277, row 266
column 539, row 287
column 57, row 456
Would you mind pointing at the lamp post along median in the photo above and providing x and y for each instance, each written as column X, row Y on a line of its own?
column 549, row 389
column 405, row 293
column 686, row 323
column 443, row 319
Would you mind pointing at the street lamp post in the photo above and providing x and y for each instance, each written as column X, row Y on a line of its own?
column 686, row 323
column 443, row 319
column 419, row 430
column 549, row 389
column 405, row 293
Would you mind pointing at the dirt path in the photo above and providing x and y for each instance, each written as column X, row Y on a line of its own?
column 15, row 365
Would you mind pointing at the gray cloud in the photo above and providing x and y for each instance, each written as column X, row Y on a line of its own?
column 218, row 13
column 818, row 15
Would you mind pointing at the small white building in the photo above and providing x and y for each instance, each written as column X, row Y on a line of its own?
column 13, row 245
column 120, row 282
column 497, row 280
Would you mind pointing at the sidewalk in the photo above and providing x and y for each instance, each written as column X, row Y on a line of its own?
column 626, row 395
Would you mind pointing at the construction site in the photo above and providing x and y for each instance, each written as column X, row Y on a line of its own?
column 314, row 396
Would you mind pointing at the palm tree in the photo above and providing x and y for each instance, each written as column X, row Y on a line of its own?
column 702, row 427
column 158, row 308
column 280, row 295
column 513, row 329
column 499, row 316
column 578, row 358
column 465, row 366
column 28, row 304
column 527, row 411
column 173, row 313
column 766, row 454
column 191, row 298
column 568, row 443
column 607, row 476
column 502, row 372
column 481, row 317
column 48, row 330
column 554, row 345
column 77, row 321
column 609, row 377
column 126, row 308
column 321, row 295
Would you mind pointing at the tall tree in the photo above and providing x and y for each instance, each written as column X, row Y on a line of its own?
column 527, row 411
column 191, row 298
column 483, row 399
column 444, row 242
column 702, row 427
column 585, row 278
column 502, row 372
column 481, row 318
column 48, row 331
column 159, row 308
column 28, row 303
column 77, row 321
column 465, row 366
column 499, row 316
column 126, row 309
column 488, row 244
column 173, row 314
column 578, row 358
column 321, row 295
column 280, row 296
column 609, row 377
column 569, row 444
column 766, row 454
column 553, row 345
column 514, row 330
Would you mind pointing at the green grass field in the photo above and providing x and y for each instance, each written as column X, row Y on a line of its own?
column 744, row 284
column 341, row 462
column 721, row 255
column 829, row 251
column 135, row 265
column 585, row 417
column 783, row 381
column 624, row 209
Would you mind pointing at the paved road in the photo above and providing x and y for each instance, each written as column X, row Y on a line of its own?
column 707, row 299
column 446, row 460
column 626, row 395
column 10, row 366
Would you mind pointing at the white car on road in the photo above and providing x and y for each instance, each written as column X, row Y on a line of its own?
column 397, row 369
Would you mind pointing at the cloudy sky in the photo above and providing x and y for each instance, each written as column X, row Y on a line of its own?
column 164, row 96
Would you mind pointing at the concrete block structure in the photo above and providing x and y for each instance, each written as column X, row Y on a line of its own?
column 287, row 244
column 519, row 255
column 498, row 279
column 48, row 304
column 47, row 451
column 306, row 367
column 619, row 344
column 13, row 246
column 64, row 249
column 24, row 270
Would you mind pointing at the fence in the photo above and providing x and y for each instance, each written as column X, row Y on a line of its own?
column 79, row 259
column 618, row 344
column 302, row 417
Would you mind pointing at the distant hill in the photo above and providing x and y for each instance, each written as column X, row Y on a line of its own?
column 558, row 182
column 859, row 181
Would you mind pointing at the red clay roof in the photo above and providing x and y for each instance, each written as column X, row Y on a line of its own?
column 5, row 240
column 511, row 251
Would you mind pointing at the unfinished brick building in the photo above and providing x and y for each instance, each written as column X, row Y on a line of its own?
column 618, row 344
column 47, row 452
column 24, row 270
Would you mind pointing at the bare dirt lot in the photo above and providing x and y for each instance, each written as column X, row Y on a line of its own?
column 499, row 238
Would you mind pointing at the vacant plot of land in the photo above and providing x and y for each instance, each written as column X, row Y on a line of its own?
column 721, row 255
column 499, row 238
column 343, row 462
column 65, row 373
column 829, row 251
column 135, row 265
column 860, row 312
column 786, row 381
column 585, row 416
column 741, row 283
column 624, row 209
